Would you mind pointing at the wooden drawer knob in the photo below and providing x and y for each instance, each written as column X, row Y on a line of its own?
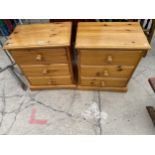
column 109, row 58
column 39, row 57
column 106, row 73
column 102, row 83
column 45, row 71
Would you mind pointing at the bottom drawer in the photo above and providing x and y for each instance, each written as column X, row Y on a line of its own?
column 100, row 82
column 63, row 80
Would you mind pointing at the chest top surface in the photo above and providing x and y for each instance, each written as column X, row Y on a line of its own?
column 40, row 35
column 111, row 35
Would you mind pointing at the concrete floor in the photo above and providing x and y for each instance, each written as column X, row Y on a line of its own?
column 78, row 112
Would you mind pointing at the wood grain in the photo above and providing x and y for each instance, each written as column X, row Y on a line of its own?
column 118, row 71
column 46, row 70
column 43, row 87
column 113, row 89
column 42, row 52
column 59, row 80
column 103, row 82
column 101, row 57
column 108, row 54
column 111, row 35
column 40, row 36
column 40, row 56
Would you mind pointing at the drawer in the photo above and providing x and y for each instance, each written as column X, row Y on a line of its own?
column 109, row 57
column 63, row 80
column 119, row 71
column 46, row 70
column 40, row 56
column 100, row 82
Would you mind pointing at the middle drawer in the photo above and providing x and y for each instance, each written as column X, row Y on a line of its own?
column 46, row 70
column 119, row 71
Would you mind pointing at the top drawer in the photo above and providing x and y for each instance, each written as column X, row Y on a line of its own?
column 40, row 56
column 112, row 57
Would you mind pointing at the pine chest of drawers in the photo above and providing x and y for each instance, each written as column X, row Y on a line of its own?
column 42, row 51
column 108, row 54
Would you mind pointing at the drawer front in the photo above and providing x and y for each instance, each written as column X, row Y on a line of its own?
column 46, row 70
column 50, row 80
column 109, row 57
column 40, row 56
column 100, row 82
column 106, row 71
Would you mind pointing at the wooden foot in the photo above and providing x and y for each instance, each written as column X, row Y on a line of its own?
column 114, row 89
column 44, row 87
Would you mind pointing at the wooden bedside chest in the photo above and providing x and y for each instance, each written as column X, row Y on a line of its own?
column 108, row 53
column 42, row 51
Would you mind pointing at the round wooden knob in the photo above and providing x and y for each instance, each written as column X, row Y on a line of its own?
column 45, row 71
column 102, row 83
column 106, row 73
column 39, row 57
column 109, row 58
